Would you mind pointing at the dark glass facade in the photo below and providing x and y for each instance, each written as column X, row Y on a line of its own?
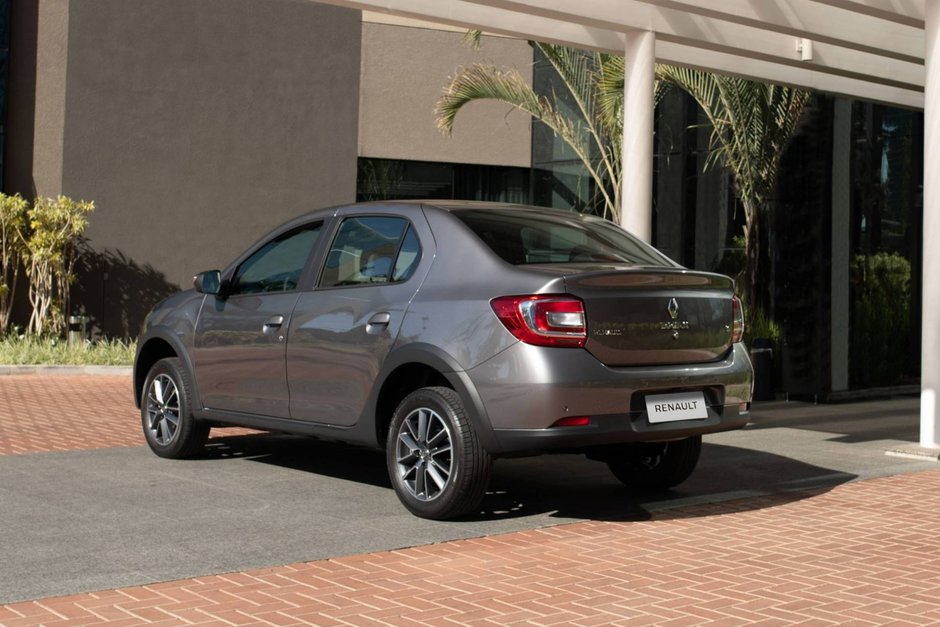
column 697, row 223
column 4, row 73
column 394, row 179
column 886, row 244
column 558, row 178
column 800, row 243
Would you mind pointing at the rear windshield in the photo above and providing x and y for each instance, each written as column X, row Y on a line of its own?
column 524, row 237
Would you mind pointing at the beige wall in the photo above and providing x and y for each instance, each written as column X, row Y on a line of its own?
column 194, row 125
column 404, row 69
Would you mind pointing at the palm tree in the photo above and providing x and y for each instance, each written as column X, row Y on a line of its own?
column 752, row 123
column 593, row 129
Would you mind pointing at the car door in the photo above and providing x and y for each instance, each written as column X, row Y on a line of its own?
column 241, row 336
column 342, row 330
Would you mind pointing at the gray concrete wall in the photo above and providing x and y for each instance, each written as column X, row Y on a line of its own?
column 195, row 126
column 404, row 70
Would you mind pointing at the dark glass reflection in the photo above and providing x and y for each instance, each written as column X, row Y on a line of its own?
column 4, row 73
column 397, row 179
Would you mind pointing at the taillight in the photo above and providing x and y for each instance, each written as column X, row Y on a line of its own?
column 544, row 319
column 737, row 320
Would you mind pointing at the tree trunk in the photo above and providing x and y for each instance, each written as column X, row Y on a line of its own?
column 757, row 284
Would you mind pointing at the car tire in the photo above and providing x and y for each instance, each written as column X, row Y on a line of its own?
column 655, row 466
column 166, row 414
column 435, row 460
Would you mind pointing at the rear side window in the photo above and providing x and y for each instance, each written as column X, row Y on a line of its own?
column 525, row 237
column 371, row 249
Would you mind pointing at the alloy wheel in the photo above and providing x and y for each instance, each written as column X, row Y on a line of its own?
column 163, row 409
column 425, row 454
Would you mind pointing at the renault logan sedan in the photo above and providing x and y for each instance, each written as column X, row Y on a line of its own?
column 449, row 334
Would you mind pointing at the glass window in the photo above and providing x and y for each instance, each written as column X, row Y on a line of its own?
column 524, row 237
column 276, row 266
column 4, row 72
column 408, row 257
column 371, row 249
column 388, row 179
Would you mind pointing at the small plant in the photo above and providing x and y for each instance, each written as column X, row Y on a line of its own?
column 55, row 229
column 759, row 326
column 32, row 350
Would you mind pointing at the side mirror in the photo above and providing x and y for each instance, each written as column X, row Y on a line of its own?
column 209, row 282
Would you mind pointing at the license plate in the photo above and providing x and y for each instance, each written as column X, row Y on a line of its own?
column 679, row 406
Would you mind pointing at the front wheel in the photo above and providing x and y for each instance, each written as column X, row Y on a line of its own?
column 166, row 414
column 436, row 463
column 652, row 466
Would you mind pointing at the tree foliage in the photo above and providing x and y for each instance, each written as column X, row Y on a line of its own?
column 55, row 229
column 13, row 229
column 593, row 84
column 752, row 123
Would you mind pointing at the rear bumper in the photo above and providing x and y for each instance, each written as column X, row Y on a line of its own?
column 525, row 389
column 617, row 428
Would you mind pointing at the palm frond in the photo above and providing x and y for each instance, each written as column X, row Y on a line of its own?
column 506, row 85
column 472, row 38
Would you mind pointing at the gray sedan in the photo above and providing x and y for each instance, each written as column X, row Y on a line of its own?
column 449, row 334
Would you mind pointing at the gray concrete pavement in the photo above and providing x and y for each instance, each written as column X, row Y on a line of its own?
column 90, row 520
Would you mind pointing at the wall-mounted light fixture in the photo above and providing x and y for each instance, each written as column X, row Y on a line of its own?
column 805, row 48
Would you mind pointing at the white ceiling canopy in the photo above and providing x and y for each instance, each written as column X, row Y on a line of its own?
column 869, row 49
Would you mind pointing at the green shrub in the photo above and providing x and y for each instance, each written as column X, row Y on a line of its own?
column 757, row 325
column 881, row 319
column 55, row 229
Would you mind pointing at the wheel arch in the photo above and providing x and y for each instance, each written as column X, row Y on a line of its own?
column 156, row 346
column 416, row 366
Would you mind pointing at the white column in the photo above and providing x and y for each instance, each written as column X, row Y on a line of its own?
column 636, row 214
column 930, row 314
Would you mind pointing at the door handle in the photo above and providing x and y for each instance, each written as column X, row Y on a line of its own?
column 273, row 323
column 378, row 322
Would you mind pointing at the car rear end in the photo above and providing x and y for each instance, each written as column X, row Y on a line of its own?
column 615, row 342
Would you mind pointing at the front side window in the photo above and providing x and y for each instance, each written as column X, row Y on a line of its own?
column 371, row 249
column 276, row 266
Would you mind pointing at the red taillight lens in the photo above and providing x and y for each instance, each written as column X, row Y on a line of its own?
column 737, row 320
column 544, row 319
column 573, row 421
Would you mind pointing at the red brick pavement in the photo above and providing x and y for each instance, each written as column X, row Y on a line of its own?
column 65, row 413
column 864, row 553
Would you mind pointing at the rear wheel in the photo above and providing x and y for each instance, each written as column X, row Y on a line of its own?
column 652, row 466
column 166, row 412
column 436, row 463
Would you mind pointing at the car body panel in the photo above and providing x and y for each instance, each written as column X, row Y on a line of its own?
column 339, row 340
column 239, row 353
column 526, row 389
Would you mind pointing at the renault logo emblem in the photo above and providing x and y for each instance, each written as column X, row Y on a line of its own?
column 673, row 309
column 674, row 324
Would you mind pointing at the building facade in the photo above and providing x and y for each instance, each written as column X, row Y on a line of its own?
column 195, row 126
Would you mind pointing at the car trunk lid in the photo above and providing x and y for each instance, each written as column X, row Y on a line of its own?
column 646, row 316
